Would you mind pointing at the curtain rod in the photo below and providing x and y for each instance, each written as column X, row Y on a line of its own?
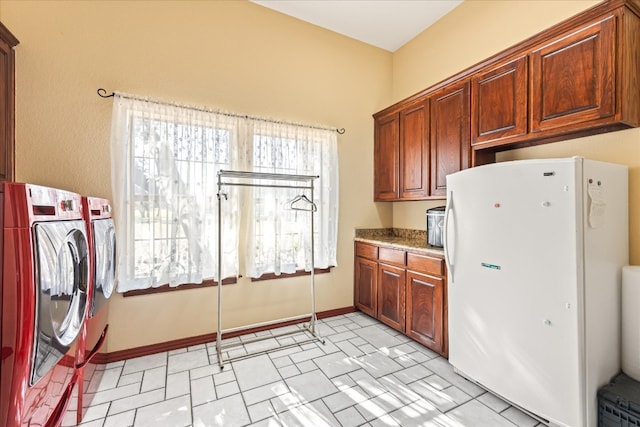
column 102, row 93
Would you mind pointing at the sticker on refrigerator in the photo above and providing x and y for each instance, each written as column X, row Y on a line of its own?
column 491, row 266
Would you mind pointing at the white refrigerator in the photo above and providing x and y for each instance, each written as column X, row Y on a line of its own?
column 535, row 250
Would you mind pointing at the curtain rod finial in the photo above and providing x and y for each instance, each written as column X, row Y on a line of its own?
column 102, row 93
column 341, row 131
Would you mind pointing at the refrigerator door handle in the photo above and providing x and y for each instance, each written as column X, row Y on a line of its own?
column 447, row 214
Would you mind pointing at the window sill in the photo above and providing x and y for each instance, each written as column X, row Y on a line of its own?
column 273, row 276
column 166, row 288
column 227, row 281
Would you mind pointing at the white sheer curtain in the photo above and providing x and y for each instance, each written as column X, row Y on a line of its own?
column 164, row 164
column 278, row 239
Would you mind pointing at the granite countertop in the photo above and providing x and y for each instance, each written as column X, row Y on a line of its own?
column 398, row 237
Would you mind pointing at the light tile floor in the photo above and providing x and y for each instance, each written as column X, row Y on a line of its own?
column 366, row 374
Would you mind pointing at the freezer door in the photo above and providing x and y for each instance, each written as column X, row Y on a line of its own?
column 514, row 284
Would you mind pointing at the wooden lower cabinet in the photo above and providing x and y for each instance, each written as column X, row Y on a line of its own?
column 391, row 295
column 366, row 286
column 425, row 315
column 405, row 290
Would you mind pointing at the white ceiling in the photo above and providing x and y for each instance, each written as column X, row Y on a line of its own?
column 387, row 24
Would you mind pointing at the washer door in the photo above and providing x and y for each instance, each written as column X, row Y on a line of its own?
column 62, row 273
column 104, row 237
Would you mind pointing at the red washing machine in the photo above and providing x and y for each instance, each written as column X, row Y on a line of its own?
column 45, row 274
column 102, row 255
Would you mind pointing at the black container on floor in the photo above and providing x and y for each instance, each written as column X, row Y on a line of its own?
column 619, row 403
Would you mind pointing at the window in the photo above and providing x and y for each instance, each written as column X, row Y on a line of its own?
column 281, row 240
column 165, row 160
column 172, row 162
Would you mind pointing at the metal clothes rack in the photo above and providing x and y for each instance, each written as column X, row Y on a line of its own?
column 247, row 179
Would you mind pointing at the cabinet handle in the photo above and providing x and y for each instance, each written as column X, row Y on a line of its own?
column 447, row 214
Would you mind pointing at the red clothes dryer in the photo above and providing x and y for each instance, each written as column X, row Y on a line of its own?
column 102, row 254
column 45, row 274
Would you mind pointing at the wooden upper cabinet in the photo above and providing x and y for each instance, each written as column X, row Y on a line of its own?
column 573, row 77
column 7, row 104
column 386, row 162
column 414, row 151
column 401, row 153
column 499, row 103
column 580, row 77
column 449, row 134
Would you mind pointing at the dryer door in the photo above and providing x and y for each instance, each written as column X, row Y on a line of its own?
column 62, row 273
column 104, row 237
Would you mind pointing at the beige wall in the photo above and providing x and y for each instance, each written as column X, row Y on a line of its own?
column 618, row 147
column 232, row 55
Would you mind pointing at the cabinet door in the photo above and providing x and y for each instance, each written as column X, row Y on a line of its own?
column 414, row 151
column 425, row 310
column 386, row 160
column 391, row 295
column 499, row 103
column 366, row 289
column 7, row 103
column 573, row 78
column 450, row 131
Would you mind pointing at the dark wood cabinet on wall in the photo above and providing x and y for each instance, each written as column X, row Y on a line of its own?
column 405, row 290
column 401, row 153
column 7, row 103
column 578, row 78
column 499, row 102
column 449, row 134
column 414, row 151
column 430, row 139
column 573, row 77
column 386, row 156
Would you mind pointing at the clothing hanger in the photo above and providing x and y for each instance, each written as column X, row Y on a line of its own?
column 303, row 199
